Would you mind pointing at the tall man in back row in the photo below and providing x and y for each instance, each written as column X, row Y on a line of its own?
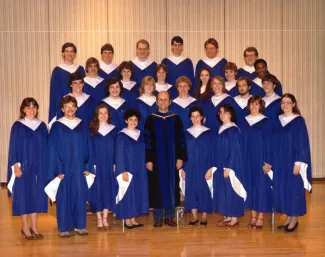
column 165, row 154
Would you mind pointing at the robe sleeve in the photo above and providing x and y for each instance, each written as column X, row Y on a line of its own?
column 54, row 156
column 150, row 141
column 54, row 95
column 180, row 145
column 233, row 150
column 121, row 164
column 267, row 142
column 302, row 148
column 89, row 154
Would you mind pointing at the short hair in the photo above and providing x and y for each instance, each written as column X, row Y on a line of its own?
column 183, row 79
column 161, row 66
column 107, row 47
column 271, row 78
column 143, row 41
column 27, row 102
column 68, row 44
column 68, row 99
column 230, row 66
column 256, row 98
column 177, row 39
column 132, row 112
column 147, row 80
column 295, row 108
column 195, row 108
column 91, row 60
column 248, row 81
column 159, row 93
column 220, row 79
column 75, row 76
column 125, row 65
column 230, row 109
column 211, row 41
column 260, row 61
column 251, row 49
column 94, row 124
column 112, row 81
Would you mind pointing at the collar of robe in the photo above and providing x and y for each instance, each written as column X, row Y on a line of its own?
column 115, row 103
column 258, row 81
column 176, row 59
column 104, row 129
column 70, row 123
column 32, row 124
column 163, row 115
column 93, row 82
column 197, row 131
column 254, row 119
column 107, row 68
column 217, row 99
column 81, row 99
column 242, row 102
column 184, row 102
column 134, row 134
column 287, row 119
column 165, row 87
column 128, row 84
column 142, row 64
column 226, row 126
column 212, row 62
column 69, row 68
column 270, row 99
column 149, row 100
column 249, row 69
column 230, row 85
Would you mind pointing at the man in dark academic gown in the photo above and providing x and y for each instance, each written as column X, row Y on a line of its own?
column 165, row 154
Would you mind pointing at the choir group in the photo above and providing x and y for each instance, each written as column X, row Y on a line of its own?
column 130, row 137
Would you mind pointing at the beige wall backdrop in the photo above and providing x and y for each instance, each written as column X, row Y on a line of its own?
column 289, row 34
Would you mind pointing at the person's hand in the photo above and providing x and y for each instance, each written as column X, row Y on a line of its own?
column 266, row 168
column 226, row 173
column 86, row 173
column 125, row 176
column 17, row 171
column 296, row 169
column 208, row 174
column 183, row 174
column 179, row 164
column 61, row 176
column 149, row 166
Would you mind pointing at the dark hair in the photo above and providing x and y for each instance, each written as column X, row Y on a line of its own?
column 75, row 76
column 185, row 80
column 107, row 47
column 256, row 98
column 195, row 108
column 91, row 60
column 161, row 66
column 251, row 49
column 112, row 81
column 27, row 102
column 211, row 41
column 177, row 39
column 260, row 61
column 230, row 66
column 68, row 99
column 94, row 124
column 207, row 92
column 132, row 112
column 295, row 108
column 248, row 81
column 68, row 44
column 271, row 78
column 227, row 108
column 125, row 65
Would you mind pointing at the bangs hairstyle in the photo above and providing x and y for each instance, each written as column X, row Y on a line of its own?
column 227, row 108
column 112, row 81
column 251, row 49
column 220, row 79
column 68, row 99
column 94, row 124
column 25, row 103
column 125, row 65
column 207, row 93
column 68, row 44
column 147, row 80
column 161, row 66
column 91, row 60
column 143, row 41
column 211, row 41
column 254, row 99
column 107, row 47
column 271, row 78
column 129, row 113
column 195, row 108
column 293, row 99
column 230, row 66
column 177, row 39
column 75, row 76
column 183, row 79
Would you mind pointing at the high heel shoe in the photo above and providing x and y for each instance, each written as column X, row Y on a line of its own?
column 204, row 223
column 236, row 224
column 282, row 227
column 36, row 236
column 252, row 224
column 259, row 226
column 25, row 236
column 98, row 224
column 192, row 223
column 288, row 230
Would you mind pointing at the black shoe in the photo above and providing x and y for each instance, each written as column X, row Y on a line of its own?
column 193, row 222
column 288, row 230
column 129, row 227
column 158, row 224
column 204, row 223
column 139, row 225
column 170, row 222
column 282, row 227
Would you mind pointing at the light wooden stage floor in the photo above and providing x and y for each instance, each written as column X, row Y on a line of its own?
column 184, row 241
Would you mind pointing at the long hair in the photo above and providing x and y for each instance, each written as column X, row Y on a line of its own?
column 295, row 108
column 25, row 103
column 197, row 92
column 94, row 124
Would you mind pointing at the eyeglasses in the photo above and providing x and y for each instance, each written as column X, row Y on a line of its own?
column 286, row 103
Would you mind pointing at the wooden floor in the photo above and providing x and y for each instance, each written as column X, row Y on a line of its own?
column 184, row 241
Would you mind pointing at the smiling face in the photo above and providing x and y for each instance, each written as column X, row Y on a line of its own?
column 132, row 122
column 211, row 51
column 114, row 90
column 230, row 75
column 250, row 58
column 103, row 115
column 92, row 69
column 126, row 74
column 69, row 54
column 287, row 105
column 69, row 110
column 217, row 87
column 204, row 77
column 142, row 51
column 183, row 88
column 107, row 56
column 261, row 70
column 163, row 101
column 254, row 108
column 148, row 88
column 77, row 86
column 196, row 118
column 30, row 111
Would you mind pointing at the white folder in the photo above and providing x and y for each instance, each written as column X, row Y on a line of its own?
column 90, row 179
column 12, row 178
column 52, row 188
column 123, row 186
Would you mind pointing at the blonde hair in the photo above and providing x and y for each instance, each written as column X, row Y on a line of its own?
column 220, row 79
column 147, row 80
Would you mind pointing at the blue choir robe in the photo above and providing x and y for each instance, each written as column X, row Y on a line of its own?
column 27, row 147
column 165, row 144
column 227, row 154
column 142, row 69
column 177, row 67
column 256, row 146
column 108, row 71
column 172, row 90
column 95, row 87
column 130, row 91
column 242, row 109
column 290, row 147
column 146, row 105
column 230, row 86
column 247, row 72
column 104, row 189
column 60, row 86
column 131, row 158
column 86, row 109
column 272, row 107
column 199, row 151
column 117, row 107
column 255, row 90
column 215, row 65
column 257, row 81
column 70, row 154
column 211, row 108
column 181, row 107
